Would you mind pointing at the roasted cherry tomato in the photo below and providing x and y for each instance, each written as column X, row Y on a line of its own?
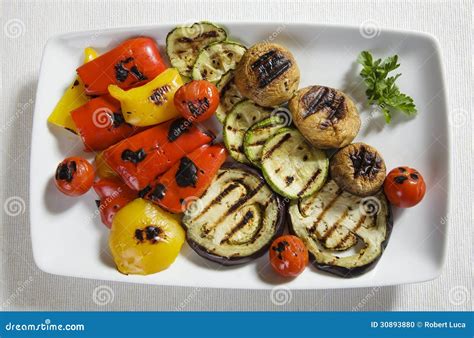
column 288, row 256
column 197, row 100
column 404, row 187
column 74, row 176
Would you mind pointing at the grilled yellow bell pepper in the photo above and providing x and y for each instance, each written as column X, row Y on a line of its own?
column 73, row 98
column 145, row 239
column 151, row 103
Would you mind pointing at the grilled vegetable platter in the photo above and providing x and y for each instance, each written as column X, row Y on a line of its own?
column 283, row 178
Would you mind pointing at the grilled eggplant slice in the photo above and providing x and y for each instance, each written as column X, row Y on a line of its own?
column 327, row 117
column 216, row 60
column 258, row 134
column 291, row 166
column 229, row 95
column 345, row 234
column 238, row 121
column 184, row 43
column 238, row 218
column 268, row 74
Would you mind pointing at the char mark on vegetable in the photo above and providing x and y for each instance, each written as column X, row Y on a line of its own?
column 310, row 181
column 319, row 99
column 157, row 193
column 158, row 96
column 198, row 107
column 121, row 72
column 242, row 223
column 269, row 153
column 138, row 75
column 150, row 233
column 269, row 66
column 325, row 210
column 66, row 171
column 133, row 156
column 177, row 128
column 365, row 163
column 186, row 176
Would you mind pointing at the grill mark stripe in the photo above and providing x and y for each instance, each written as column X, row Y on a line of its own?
column 243, row 222
column 218, row 198
column 331, row 230
column 270, row 66
column 358, row 225
column 312, row 105
column 276, row 146
column 326, row 209
column 308, row 184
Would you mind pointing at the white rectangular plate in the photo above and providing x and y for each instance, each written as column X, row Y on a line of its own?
column 68, row 238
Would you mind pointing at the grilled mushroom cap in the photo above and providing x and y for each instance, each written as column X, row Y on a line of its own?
column 327, row 117
column 359, row 169
column 267, row 74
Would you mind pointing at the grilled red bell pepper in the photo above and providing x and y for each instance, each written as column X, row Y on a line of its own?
column 114, row 195
column 100, row 123
column 132, row 63
column 187, row 179
column 139, row 159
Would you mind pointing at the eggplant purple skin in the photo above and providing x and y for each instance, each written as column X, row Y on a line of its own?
column 236, row 260
column 353, row 272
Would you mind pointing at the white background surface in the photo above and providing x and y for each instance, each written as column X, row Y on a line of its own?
column 26, row 25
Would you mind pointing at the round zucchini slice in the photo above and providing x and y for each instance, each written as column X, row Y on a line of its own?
column 291, row 166
column 238, row 121
column 344, row 233
column 258, row 134
column 216, row 60
column 184, row 43
column 238, row 217
column 229, row 96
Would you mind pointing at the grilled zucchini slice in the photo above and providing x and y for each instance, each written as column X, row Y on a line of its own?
column 238, row 218
column 344, row 233
column 291, row 166
column 229, row 96
column 258, row 134
column 216, row 60
column 238, row 121
column 184, row 43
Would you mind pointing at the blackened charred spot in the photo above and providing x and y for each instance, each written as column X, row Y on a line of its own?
column 121, row 73
column 157, row 193
column 414, row 176
column 152, row 234
column 402, row 170
column 158, row 96
column 365, row 162
column 400, row 179
column 279, row 248
column 139, row 235
column 289, row 180
column 133, row 156
column 327, row 100
column 138, row 75
column 117, row 120
column 198, row 107
column 65, row 171
column 142, row 193
column 269, row 66
column 186, row 175
column 177, row 128
column 76, row 83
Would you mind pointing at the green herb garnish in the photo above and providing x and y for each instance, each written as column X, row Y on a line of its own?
column 381, row 88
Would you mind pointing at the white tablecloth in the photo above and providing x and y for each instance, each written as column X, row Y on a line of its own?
column 26, row 25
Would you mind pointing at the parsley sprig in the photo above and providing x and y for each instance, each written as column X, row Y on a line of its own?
column 381, row 88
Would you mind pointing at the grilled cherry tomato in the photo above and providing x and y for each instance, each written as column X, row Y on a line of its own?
column 74, row 176
column 288, row 256
column 197, row 100
column 404, row 187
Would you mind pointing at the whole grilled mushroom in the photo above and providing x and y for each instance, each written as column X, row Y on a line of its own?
column 327, row 117
column 359, row 169
column 267, row 74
